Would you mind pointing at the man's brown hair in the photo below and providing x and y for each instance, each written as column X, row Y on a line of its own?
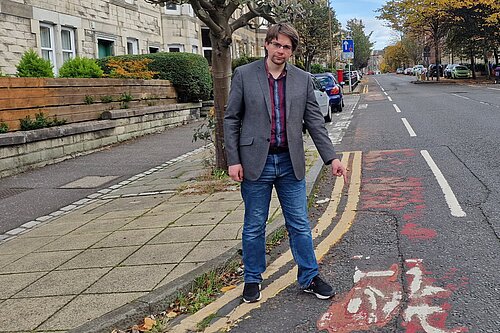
column 284, row 29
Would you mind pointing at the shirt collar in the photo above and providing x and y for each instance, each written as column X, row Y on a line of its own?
column 283, row 73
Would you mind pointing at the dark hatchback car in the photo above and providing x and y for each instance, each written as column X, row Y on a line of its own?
column 433, row 70
column 333, row 89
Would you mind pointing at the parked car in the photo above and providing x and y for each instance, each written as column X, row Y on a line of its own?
column 408, row 71
column 399, row 71
column 333, row 89
column 447, row 70
column 433, row 70
column 460, row 72
column 418, row 69
column 322, row 98
column 353, row 75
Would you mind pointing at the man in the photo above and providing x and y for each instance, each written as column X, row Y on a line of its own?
column 268, row 103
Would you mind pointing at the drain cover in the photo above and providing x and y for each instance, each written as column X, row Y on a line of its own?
column 9, row 192
column 89, row 182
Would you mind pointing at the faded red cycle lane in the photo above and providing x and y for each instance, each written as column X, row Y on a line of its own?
column 397, row 282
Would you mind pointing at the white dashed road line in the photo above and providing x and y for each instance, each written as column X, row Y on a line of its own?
column 451, row 200
column 396, row 107
column 408, row 127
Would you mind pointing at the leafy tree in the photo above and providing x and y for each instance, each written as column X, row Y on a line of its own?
column 362, row 45
column 32, row 65
column 395, row 56
column 475, row 30
column 315, row 26
column 428, row 17
column 220, row 17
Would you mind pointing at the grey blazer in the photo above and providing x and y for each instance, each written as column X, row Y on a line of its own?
column 247, row 119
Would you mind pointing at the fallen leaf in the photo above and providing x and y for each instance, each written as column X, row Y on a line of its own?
column 227, row 288
column 172, row 314
column 148, row 324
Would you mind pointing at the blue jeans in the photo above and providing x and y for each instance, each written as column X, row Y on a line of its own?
column 278, row 171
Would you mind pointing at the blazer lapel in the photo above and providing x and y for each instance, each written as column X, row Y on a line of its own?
column 264, row 85
column 290, row 83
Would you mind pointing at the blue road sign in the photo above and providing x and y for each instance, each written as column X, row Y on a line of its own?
column 348, row 48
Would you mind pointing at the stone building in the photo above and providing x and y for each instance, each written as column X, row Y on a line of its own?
column 62, row 29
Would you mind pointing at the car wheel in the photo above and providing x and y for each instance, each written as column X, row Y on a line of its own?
column 339, row 107
column 328, row 117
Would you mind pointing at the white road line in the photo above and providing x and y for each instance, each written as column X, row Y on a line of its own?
column 494, row 88
column 460, row 96
column 385, row 93
column 382, row 88
column 389, row 98
column 451, row 200
column 396, row 107
column 408, row 127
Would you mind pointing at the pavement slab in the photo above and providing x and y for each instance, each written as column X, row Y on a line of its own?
column 131, row 278
column 60, row 283
column 182, row 234
column 26, row 314
column 106, row 257
column 208, row 250
column 84, row 308
column 13, row 283
column 127, row 237
column 160, row 254
column 39, row 262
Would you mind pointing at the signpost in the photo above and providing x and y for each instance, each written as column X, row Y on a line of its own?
column 348, row 53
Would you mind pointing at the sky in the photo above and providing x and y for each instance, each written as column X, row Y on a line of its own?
column 365, row 10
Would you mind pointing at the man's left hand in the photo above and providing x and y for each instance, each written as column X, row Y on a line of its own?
column 338, row 169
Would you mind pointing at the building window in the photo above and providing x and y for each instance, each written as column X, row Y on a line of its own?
column 171, row 6
column 132, row 46
column 154, row 49
column 47, row 43
column 194, row 49
column 175, row 48
column 105, row 47
column 68, row 43
column 206, row 44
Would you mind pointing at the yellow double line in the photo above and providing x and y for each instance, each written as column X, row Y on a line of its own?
column 345, row 222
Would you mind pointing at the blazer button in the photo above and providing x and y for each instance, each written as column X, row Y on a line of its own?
column 268, row 140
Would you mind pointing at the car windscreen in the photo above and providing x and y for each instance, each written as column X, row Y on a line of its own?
column 325, row 80
column 461, row 68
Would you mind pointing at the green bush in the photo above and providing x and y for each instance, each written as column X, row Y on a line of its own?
column 32, row 65
column 4, row 128
column 189, row 73
column 243, row 60
column 80, row 67
column 40, row 121
column 317, row 68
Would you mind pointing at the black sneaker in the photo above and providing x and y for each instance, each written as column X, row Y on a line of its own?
column 251, row 292
column 320, row 288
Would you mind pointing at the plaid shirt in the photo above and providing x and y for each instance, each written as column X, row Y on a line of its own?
column 278, row 108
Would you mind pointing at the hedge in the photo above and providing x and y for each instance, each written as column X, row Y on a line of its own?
column 189, row 73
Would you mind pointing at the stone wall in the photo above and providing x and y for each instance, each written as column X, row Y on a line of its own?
column 113, row 20
column 21, row 151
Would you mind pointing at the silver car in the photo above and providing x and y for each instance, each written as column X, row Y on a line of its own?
column 322, row 99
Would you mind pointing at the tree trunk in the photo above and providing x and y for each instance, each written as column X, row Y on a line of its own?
column 436, row 55
column 221, row 73
column 472, row 64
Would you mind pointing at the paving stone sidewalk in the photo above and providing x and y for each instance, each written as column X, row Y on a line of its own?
column 119, row 245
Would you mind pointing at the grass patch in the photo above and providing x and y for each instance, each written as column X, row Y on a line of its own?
column 209, row 182
column 205, row 322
